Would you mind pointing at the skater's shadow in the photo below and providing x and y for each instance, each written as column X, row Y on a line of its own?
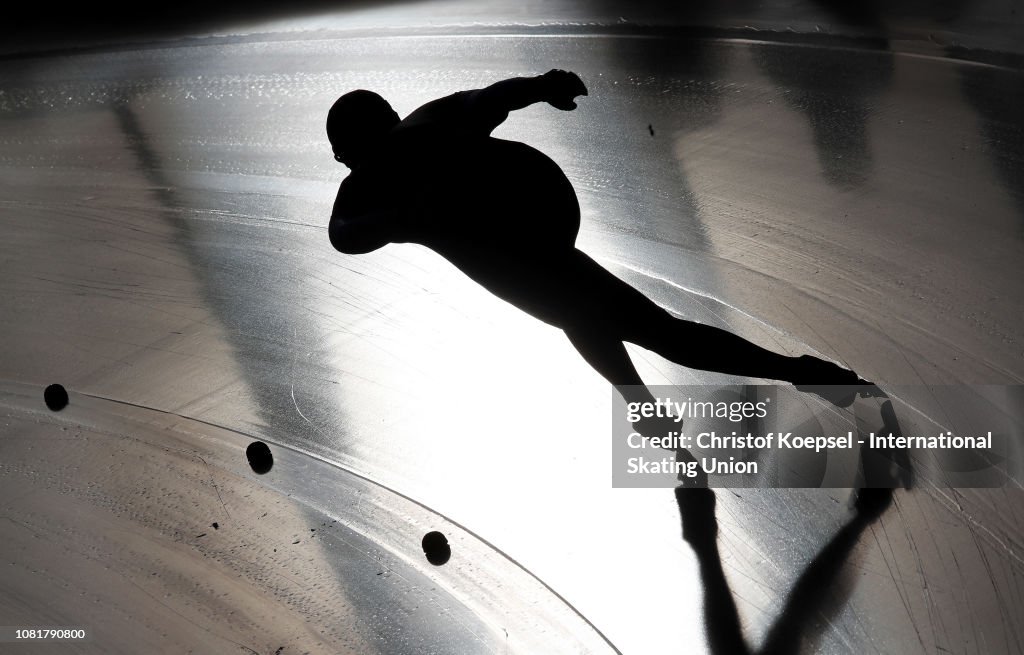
column 813, row 600
column 820, row 591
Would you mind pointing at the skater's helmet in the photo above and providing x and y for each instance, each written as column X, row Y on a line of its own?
column 356, row 123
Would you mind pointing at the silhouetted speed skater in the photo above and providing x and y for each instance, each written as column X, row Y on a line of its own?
column 506, row 215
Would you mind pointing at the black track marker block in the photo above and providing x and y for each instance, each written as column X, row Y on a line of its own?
column 436, row 548
column 56, row 397
column 260, row 459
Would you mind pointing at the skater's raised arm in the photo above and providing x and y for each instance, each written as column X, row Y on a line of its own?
column 485, row 109
column 556, row 87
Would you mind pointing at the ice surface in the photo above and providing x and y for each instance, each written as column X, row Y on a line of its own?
column 165, row 245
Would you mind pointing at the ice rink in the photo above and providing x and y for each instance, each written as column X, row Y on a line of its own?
column 849, row 186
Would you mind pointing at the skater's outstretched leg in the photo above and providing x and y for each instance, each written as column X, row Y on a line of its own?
column 626, row 314
column 568, row 289
column 710, row 348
